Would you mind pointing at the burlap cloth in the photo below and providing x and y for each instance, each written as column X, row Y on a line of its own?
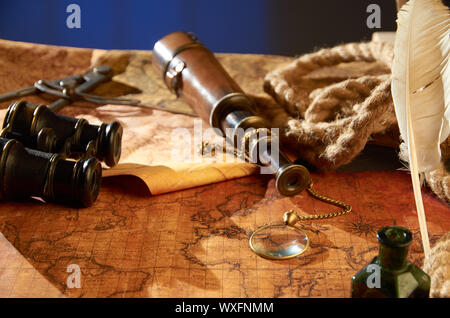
column 437, row 265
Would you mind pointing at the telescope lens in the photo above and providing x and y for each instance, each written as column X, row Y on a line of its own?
column 292, row 179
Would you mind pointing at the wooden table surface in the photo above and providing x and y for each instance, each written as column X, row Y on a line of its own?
column 194, row 242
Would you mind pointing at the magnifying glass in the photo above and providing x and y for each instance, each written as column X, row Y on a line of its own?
column 279, row 241
column 284, row 241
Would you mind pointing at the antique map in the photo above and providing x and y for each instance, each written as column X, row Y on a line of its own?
column 194, row 243
column 188, row 240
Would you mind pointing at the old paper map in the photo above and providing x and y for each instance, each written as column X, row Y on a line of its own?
column 194, row 243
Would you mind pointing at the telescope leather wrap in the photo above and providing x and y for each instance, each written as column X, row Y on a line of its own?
column 202, row 83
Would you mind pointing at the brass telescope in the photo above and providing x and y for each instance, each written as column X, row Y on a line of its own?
column 191, row 71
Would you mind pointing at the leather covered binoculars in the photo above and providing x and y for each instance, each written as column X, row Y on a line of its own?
column 38, row 127
column 31, row 173
column 35, row 143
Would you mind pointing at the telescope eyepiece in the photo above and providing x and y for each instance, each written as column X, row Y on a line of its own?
column 292, row 179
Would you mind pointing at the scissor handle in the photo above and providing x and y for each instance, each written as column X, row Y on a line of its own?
column 19, row 93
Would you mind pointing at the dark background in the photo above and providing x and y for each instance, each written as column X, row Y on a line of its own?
column 286, row 27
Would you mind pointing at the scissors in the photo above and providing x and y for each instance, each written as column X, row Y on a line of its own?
column 72, row 88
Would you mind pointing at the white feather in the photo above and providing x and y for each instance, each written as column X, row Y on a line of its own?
column 421, row 89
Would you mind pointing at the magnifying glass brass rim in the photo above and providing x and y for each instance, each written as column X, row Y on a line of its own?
column 272, row 257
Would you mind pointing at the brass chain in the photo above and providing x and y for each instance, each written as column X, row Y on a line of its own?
column 346, row 207
column 255, row 131
column 242, row 151
column 237, row 151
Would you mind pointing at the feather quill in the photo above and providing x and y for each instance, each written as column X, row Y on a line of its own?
column 421, row 90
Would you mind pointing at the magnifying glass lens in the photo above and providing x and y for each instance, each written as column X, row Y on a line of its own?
column 279, row 241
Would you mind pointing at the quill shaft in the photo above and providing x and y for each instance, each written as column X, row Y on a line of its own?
column 417, row 192
column 414, row 165
column 420, row 89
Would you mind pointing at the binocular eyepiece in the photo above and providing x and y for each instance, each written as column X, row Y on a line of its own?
column 34, row 145
column 38, row 127
column 31, row 173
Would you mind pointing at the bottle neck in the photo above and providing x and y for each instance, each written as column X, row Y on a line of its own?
column 393, row 258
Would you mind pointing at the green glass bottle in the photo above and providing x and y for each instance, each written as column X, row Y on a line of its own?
column 390, row 274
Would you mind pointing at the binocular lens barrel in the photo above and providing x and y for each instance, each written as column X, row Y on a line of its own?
column 38, row 127
column 31, row 173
